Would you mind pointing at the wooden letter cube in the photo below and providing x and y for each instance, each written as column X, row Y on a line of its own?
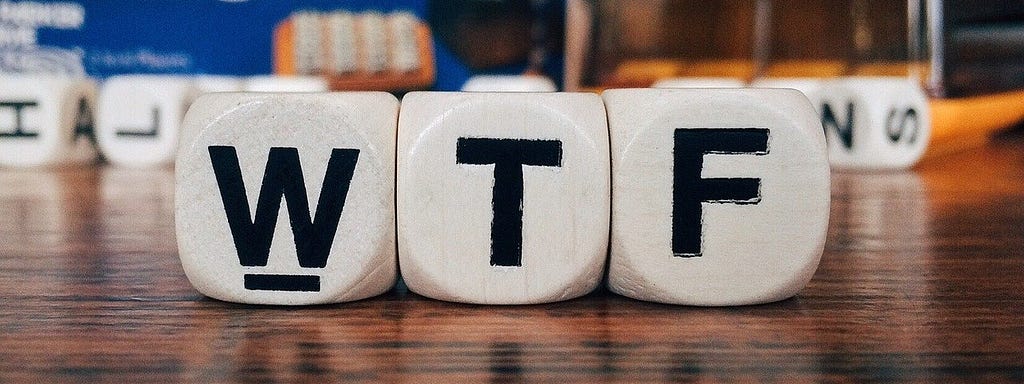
column 286, row 84
column 509, row 83
column 809, row 86
column 288, row 198
column 502, row 197
column 204, row 84
column 139, row 118
column 874, row 122
column 720, row 196
column 699, row 82
column 46, row 121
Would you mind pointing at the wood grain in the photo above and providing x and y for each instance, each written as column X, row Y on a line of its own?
column 920, row 281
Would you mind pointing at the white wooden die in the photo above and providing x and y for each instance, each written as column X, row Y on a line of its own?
column 809, row 86
column 508, row 83
column 139, row 118
column 286, row 84
column 288, row 198
column 699, row 82
column 874, row 122
column 204, row 84
column 46, row 121
column 503, row 198
column 720, row 196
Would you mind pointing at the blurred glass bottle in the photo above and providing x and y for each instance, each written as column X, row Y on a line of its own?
column 623, row 43
column 829, row 38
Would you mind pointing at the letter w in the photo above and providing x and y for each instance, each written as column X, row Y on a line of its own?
column 283, row 177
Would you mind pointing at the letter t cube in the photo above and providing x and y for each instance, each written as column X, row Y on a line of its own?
column 502, row 197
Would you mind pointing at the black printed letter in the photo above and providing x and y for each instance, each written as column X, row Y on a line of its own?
column 508, row 156
column 845, row 132
column 689, row 190
column 148, row 132
column 19, row 129
column 283, row 177
column 84, row 123
column 895, row 132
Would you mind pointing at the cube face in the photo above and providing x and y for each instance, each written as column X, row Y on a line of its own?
column 139, row 119
column 46, row 121
column 323, row 164
column 721, row 197
column 502, row 197
column 874, row 122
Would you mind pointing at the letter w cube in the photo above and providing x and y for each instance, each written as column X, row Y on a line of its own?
column 288, row 198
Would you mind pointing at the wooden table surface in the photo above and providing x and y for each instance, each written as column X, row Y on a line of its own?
column 922, row 280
